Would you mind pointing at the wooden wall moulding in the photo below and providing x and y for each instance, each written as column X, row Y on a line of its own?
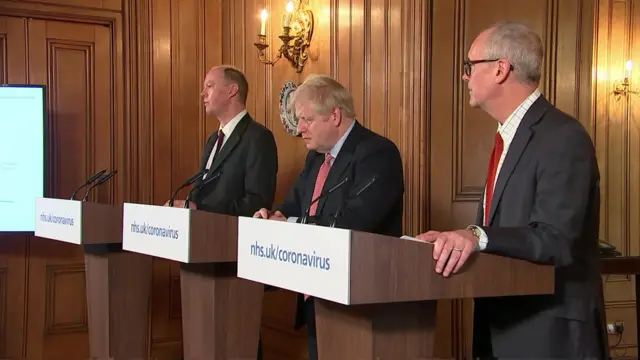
column 76, row 49
column 65, row 283
column 401, row 60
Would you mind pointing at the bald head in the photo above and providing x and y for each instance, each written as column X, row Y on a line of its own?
column 517, row 43
column 225, row 92
column 232, row 77
column 503, row 68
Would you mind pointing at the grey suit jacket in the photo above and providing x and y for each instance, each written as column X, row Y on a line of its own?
column 248, row 164
column 546, row 209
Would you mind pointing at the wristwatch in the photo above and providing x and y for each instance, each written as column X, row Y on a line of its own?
column 475, row 230
column 480, row 235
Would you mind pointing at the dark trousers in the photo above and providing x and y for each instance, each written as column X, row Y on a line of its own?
column 259, row 357
column 562, row 339
column 310, row 319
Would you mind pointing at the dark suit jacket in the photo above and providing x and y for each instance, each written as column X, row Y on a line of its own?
column 378, row 209
column 364, row 154
column 546, row 209
column 248, row 163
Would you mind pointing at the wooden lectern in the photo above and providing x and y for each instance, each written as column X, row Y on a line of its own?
column 118, row 283
column 221, row 314
column 377, row 301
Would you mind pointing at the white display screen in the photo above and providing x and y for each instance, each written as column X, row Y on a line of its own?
column 22, row 121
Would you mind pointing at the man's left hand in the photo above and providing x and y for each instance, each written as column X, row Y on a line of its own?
column 451, row 249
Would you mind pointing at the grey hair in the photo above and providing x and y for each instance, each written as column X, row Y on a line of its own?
column 325, row 94
column 519, row 44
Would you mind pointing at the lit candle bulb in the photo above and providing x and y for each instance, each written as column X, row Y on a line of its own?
column 263, row 24
column 629, row 66
column 287, row 15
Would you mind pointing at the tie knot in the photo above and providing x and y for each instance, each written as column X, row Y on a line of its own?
column 328, row 158
column 498, row 138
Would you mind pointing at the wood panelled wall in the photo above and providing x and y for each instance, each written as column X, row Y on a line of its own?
column 77, row 52
column 460, row 138
column 618, row 146
column 124, row 82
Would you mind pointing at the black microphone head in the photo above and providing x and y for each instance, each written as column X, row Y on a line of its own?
column 366, row 186
column 96, row 175
column 210, row 179
column 189, row 181
column 100, row 181
column 200, row 186
column 106, row 177
column 194, row 177
column 322, row 195
column 89, row 181
column 337, row 214
column 343, row 181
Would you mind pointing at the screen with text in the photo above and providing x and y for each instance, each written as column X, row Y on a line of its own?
column 22, row 114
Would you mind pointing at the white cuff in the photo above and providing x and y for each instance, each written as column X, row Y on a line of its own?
column 483, row 240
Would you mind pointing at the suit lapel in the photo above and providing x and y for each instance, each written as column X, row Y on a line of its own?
column 207, row 153
column 228, row 147
column 342, row 162
column 516, row 148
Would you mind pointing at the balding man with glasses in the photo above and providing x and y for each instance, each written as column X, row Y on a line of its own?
column 540, row 203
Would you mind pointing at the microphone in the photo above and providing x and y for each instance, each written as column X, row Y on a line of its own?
column 200, row 186
column 335, row 216
column 89, row 181
column 189, row 181
column 102, row 180
column 304, row 218
column 366, row 186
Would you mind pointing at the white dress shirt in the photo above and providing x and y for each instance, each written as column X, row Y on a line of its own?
column 226, row 130
column 507, row 131
column 335, row 150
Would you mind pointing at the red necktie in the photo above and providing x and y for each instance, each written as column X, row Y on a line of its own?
column 317, row 190
column 219, row 143
column 320, row 180
column 491, row 178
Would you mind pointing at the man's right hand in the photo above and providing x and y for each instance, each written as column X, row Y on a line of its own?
column 270, row 215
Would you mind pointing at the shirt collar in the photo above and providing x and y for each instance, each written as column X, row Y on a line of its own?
column 336, row 148
column 508, row 129
column 231, row 125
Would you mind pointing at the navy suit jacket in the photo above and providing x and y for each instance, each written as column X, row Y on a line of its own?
column 363, row 156
column 377, row 209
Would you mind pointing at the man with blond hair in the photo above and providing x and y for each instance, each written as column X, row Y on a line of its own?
column 341, row 151
column 540, row 203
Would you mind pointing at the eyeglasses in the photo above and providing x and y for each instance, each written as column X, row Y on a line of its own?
column 467, row 64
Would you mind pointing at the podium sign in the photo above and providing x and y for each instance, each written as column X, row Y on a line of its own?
column 158, row 231
column 308, row 259
column 59, row 219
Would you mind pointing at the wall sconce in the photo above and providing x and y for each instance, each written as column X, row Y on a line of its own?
column 297, row 29
column 622, row 88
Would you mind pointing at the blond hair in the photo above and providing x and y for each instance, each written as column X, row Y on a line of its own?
column 325, row 94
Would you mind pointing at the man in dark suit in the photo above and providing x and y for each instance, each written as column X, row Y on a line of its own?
column 242, row 153
column 541, row 203
column 341, row 151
